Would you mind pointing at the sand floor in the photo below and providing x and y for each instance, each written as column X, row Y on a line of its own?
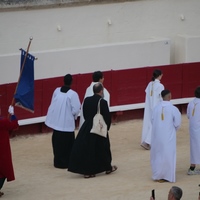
column 37, row 179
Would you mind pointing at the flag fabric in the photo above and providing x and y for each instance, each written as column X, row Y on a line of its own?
column 24, row 96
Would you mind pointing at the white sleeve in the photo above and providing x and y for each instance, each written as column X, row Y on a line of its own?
column 177, row 118
column 76, row 105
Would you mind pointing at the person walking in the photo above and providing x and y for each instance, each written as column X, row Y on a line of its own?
column 91, row 153
column 153, row 97
column 6, row 165
column 62, row 113
column 166, row 119
column 97, row 77
column 193, row 114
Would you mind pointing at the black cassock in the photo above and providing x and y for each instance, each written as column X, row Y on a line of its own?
column 91, row 153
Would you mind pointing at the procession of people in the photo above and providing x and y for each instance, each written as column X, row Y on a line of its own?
column 89, row 154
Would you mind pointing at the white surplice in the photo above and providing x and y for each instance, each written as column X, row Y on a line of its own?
column 89, row 92
column 63, row 110
column 153, row 97
column 193, row 114
column 163, row 141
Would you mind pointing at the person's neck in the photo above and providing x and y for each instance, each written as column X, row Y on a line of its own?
column 65, row 88
column 99, row 94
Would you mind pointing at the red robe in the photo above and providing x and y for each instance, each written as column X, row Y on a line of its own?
column 6, row 166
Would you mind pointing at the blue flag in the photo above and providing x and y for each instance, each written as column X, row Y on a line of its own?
column 24, row 96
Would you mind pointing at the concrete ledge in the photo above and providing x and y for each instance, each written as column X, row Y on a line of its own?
column 181, row 101
column 32, row 120
column 40, row 4
column 112, row 109
column 126, row 107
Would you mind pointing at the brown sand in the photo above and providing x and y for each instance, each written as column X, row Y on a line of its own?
column 37, row 179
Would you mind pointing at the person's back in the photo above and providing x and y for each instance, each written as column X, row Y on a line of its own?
column 193, row 114
column 153, row 91
column 163, row 115
column 193, row 111
column 63, row 110
column 152, row 98
column 61, row 116
column 166, row 119
column 89, row 92
column 91, row 103
column 91, row 152
column 97, row 77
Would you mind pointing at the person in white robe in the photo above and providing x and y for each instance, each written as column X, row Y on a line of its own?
column 166, row 119
column 153, row 97
column 96, row 77
column 61, row 115
column 193, row 114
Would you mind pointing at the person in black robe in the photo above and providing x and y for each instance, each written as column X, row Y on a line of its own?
column 91, row 153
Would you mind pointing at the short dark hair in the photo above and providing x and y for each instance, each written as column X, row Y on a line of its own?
column 197, row 92
column 68, row 79
column 176, row 192
column 97, row 75
column 156, row 74
column 97, row 88
column 164, row 93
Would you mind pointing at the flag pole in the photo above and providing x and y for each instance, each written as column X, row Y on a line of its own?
column 21, row 70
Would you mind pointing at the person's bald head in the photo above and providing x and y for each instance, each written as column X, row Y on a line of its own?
column 98, row 89
column 175, row 193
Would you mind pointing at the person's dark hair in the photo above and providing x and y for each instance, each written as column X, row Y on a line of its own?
column 197, row 92
column 176, row 192
column 68, row 79
column 156, row 74
column 97, row 76
column 97, row 88
column 164, row 93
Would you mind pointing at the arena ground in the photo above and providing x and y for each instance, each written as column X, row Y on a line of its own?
column 37, row 179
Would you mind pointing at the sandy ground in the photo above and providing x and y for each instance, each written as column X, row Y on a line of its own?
column 37, row 179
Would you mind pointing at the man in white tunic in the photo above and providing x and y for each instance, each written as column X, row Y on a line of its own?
column 166, row 119
column 62, row 113
column 153, row 97
column 96, row 77
column 193, row 114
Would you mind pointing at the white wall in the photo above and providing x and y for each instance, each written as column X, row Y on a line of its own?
column 188, row 48
column 83, row 60
column 55, row 29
